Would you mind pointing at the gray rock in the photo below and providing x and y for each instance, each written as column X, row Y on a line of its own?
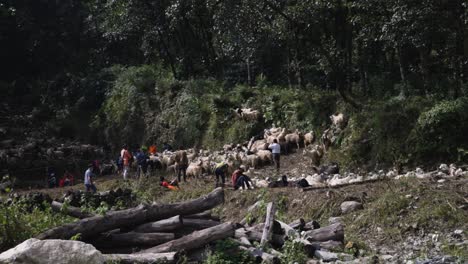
column 350, row 206
column 52, row 251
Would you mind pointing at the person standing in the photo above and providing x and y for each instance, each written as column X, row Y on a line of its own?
column 142, row 162
column 126, row 158
column 88, row 179
column 181, row 164
column 276, row 150
column 220, row 172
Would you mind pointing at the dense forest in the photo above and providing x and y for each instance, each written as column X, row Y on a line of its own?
column 117, row 71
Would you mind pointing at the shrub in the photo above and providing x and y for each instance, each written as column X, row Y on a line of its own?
column 441, row 130
column 293, row 252
column 18, row 223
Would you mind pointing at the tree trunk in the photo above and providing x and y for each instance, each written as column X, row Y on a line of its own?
column 196, row 239
column 132, row 239
column 329, row 245
column 249, row 78
column 298, row 224
column 165, row 225
column 92, row 226
column 203, row 215
column 170, row 257
column 268, row 228
column 199, row 224
column 276, row 240
column 333, row 232
column 70, row 210
column 403, row 70
column 289, row 231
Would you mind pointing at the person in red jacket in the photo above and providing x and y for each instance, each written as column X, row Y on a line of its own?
column 239, row 179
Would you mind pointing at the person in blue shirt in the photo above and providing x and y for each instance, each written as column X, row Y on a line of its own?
column 142, row 162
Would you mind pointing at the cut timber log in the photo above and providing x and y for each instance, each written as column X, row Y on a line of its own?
column 166, row 225
column 204, row 215
column 92, row 226
column 333, row 232
column 277, row 229
column 70, row 210
column 329, row 245
column 260, row 256
column 252, row 235
column 170, row 257
column 199, row 224
column 298, row 224
column 268, row 228
column 312, row 225
column 289, row 231
column 196, row 240
column 132, row 239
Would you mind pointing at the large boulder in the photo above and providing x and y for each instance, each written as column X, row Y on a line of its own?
column 350, row 206
column 53, row 251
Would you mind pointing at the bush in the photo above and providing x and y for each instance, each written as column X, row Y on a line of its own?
column 441, row 130
column 227, row 252
column 18, row 223
column 293, row 252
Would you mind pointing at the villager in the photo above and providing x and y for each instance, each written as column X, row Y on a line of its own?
column 220, row 172
column 276, row 151
column 181, row 164
column 240, row 180
column 173, row 185
column 126, row 159
column 88, row 179
column 142, row 162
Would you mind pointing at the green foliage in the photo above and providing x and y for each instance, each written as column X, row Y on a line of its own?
column 293, row 252
column 227, row 252
column 18, row 223
column 442, row 130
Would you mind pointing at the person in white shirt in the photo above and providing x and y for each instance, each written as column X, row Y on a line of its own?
column 88, row 179
column 276, row 150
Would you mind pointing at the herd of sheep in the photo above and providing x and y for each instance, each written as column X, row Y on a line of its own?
column 254, row 153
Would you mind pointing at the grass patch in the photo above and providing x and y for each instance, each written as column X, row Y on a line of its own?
column 406, row 206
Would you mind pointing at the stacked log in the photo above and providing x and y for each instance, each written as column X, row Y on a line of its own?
column 163, row 231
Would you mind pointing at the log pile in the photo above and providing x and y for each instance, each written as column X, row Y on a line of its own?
column 147, row 233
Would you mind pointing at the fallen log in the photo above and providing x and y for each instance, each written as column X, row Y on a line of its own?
column 298, row 224
column 196, row 240
column 276, row 240
column 170, row 257
column 329, row 245
column 166, row 225
column 312, row 225
column 92, row 226
column 260, row 256
column 277, row 229
column 268, row 228
column 70, row 210
column 199, row 224
column 203, row 215
column 289, row 231
column 333, row 232
column 132, row 239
